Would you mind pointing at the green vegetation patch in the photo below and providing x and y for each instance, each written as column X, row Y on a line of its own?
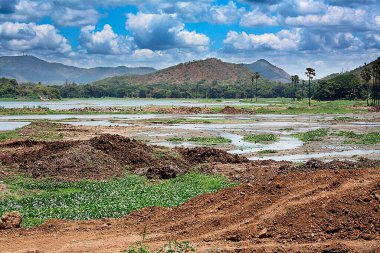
column 8, row 135
column 269, row 151
column 176, row 139
column 210, row 140
column 355, row 138
column 261, row 138
column 94, row 200
column 313, row 135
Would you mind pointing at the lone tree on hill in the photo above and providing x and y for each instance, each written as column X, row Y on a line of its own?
column 310, row 72
column 366, row 75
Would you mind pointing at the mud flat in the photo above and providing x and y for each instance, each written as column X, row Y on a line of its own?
column 160, row 128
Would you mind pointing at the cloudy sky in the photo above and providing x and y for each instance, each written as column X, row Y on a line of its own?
column 329, row 35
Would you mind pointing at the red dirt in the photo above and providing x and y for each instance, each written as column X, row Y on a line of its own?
column 301, row 211
column 205, row 154
column 101, row 157
column 315, row 164
column 233, row 110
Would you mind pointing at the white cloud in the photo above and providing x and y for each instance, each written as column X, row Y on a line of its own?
column 30, row 36
column 283, row 40
column 225, row 14
column 163, row 32
column 27, row 11
column 257, row 18
column 292, row 41
column 340, row 17
column 104, row 41
column 72, row 17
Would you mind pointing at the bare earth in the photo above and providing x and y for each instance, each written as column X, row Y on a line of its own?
column 313, row 211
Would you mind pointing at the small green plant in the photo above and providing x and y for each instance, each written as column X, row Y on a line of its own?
column 177, row 247
column 262, row 152
column 8, row 135
column 261, row 138
column 355, row 138
column 176, row 139
column 313, row 135
column 210, row 140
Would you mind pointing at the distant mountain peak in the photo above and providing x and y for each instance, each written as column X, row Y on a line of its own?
column 268, row 70
column 28, row 68
column 204, row 71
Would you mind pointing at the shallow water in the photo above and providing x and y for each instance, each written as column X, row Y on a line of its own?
column 70, row 104
column 324, row 156
column 7, row 126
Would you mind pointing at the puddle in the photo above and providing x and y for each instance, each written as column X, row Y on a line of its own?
column 244, row 147
column 8, row 126
column 94, row 123
column 324, row 156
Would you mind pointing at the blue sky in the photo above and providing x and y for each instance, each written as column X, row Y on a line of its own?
column 329, row 35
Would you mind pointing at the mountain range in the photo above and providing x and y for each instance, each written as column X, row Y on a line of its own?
column 33, row 69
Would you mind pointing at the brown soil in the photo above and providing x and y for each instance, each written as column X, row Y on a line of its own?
column 101, row 157
column 315, row 164
column 298, row 211
column 205, row 154
column 104, row 157
column 10, row 220
column 233, row 110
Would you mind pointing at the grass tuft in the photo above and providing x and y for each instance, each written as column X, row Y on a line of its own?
column 313, row 135
column 261, row 138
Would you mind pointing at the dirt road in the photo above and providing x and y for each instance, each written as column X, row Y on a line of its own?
column 313, row 211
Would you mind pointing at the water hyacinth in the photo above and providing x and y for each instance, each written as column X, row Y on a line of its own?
column 115, row 198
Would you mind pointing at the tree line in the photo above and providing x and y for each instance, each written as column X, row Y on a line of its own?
column 343, row 86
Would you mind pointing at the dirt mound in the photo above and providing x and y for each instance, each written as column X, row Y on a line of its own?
column 302, row 207
column 233, row 110
column 205, row 154
column 10, row 220
column 183, row 110
column 76, row 162
column 126, row 151
column 101, row 157
column 315, row 164
column 21, row 144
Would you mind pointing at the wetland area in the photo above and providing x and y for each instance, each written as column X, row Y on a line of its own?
column 218, row 174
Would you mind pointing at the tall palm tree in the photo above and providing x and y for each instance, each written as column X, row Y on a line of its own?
column 366, row 75
column 303, row 90
column 256, row 76
column 376, row 83
column 293, row 78
column 310, row 72
column 296, row 81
